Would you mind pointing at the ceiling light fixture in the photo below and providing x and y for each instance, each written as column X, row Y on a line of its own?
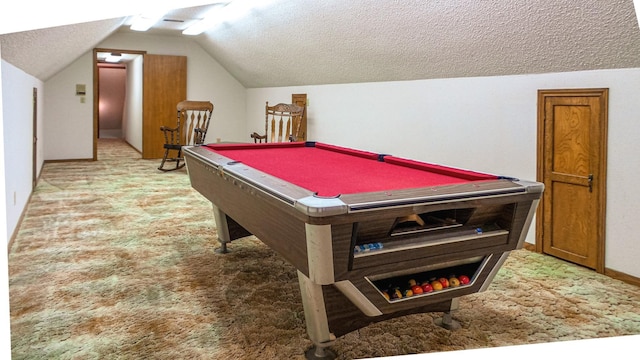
column 146, row 20
column 113, row 58
column 228, row 11
column 211, row 18
column 202, row 25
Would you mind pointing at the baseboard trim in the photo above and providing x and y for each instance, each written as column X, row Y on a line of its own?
column 614, row 274
column 65, row 160
column 14, row 235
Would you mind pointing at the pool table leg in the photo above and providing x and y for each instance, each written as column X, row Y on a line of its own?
column 315, row 315
column 223, row 229
column 447, row 321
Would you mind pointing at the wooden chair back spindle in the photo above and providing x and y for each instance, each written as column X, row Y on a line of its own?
column 193, row 118
column 282, row 124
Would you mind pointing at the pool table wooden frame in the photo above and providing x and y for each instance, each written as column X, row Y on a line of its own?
column 317, row 236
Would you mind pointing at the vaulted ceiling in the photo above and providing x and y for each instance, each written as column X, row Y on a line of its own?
column 305, row 42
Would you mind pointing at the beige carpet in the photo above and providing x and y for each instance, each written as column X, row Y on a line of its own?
column 115, row 260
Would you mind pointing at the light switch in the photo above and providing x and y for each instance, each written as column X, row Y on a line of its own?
column 81, row 90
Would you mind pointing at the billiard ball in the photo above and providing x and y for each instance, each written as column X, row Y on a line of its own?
column 396, row 294
column 436, row 285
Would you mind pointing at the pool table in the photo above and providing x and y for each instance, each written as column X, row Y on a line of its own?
column 364, row 229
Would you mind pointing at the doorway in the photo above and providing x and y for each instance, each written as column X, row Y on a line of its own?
column 111, row 99
column 572, row 149
column 117, row 96
column 160, row 83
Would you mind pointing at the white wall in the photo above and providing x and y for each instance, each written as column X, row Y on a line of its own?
column 132, row 117
column 487, row 124
column 5, row 318
column 490, row 122
column 206, row 79
column 17, row 98
column 70, row 123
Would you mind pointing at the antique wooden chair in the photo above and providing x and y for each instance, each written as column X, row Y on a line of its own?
column 191, row 129
column 283, row 122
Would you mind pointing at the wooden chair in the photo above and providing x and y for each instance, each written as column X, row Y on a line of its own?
column 283, row 122
column 191, row 129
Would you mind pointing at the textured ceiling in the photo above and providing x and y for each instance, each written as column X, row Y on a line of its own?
column 44, row 52
column 337, row 41
column 304, row 42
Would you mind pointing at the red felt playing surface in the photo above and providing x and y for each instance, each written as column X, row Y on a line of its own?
column 330, row 171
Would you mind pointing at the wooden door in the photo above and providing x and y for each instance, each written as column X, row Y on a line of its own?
column 164, row 85
column 34, row 157
column 301, row 100
column 572, row 135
